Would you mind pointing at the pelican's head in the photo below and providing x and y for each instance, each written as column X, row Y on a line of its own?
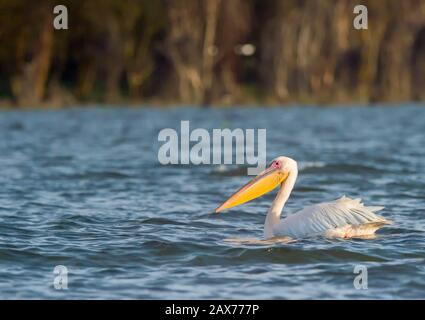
column 276, row 173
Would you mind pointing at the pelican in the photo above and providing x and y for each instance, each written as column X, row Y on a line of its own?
column 342, row 218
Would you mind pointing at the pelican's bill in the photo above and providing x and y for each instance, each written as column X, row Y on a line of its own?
column 260, row 185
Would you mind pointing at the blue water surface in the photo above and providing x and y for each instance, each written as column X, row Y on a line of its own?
column 83, row 188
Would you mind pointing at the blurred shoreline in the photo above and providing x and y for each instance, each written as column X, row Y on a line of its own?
column 211, row 52
column 4, row 106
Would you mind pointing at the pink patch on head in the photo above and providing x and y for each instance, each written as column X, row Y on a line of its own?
column 275, row 164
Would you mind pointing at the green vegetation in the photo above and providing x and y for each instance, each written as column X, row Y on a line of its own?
column 191, row 52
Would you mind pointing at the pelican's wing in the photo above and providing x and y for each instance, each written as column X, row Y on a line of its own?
column 323, row 217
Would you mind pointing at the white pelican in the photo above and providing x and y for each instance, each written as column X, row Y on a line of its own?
column 342, row 218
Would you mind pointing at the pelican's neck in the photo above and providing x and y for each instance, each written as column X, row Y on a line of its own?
column 273, row 216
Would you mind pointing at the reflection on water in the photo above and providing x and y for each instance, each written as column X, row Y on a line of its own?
column 83, row 188
column 254, row 241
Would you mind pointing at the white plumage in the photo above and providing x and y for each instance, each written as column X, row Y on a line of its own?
column 344, row 218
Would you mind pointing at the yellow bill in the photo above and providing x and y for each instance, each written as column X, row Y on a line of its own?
column 260, row 185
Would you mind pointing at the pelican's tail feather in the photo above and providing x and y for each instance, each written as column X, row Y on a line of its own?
column 361, row 231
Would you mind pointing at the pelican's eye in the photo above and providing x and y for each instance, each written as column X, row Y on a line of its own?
column 276, row 164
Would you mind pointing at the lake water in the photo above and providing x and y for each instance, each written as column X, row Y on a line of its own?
column 83, row 188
